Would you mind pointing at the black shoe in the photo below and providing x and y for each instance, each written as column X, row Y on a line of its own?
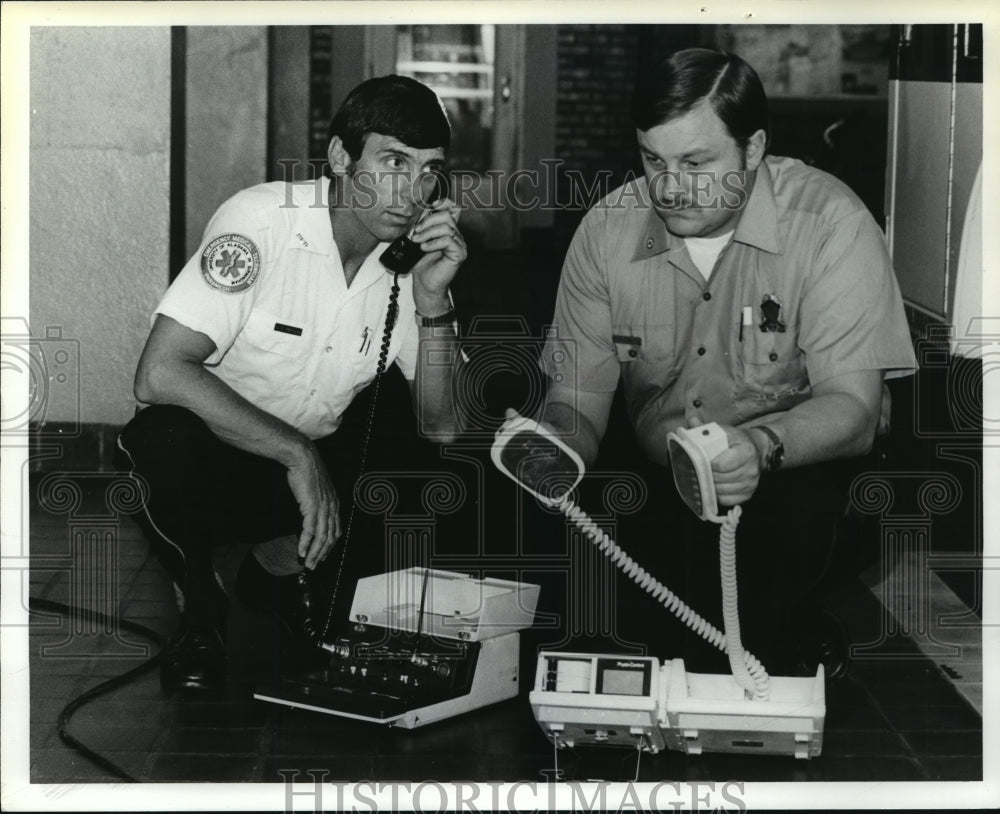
column 288, row 599
column 195, row 660
column 822, row 640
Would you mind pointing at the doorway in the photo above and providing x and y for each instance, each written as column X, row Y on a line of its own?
column 476, row 70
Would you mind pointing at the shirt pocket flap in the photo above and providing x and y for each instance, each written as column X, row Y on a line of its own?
column 274, row 334
column 628, row 346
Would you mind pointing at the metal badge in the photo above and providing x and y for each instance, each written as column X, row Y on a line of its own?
column 770, row 312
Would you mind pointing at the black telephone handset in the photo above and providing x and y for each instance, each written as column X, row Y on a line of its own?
column 404, row 253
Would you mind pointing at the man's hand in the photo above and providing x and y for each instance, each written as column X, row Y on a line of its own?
column 736, row 471
column 438, row 235
column 320, row 508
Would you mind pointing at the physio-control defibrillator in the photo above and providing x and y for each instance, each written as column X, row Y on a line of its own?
column 586, row 698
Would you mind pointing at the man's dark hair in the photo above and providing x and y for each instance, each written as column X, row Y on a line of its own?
column 682, row 80
column 396, row 106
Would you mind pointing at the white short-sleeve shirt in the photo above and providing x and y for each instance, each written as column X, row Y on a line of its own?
column 267, row 287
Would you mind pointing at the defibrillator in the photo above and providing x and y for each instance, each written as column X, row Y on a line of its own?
column 618, row 700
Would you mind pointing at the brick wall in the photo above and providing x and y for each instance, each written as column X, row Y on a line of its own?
column 594, row 138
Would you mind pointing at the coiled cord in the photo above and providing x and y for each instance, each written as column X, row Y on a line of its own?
column 747, row 670
column 391, row 315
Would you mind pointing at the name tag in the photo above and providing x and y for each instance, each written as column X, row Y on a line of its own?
column 287, row 329
column 621, row 339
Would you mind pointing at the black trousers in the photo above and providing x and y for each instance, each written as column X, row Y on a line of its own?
column 204, row 493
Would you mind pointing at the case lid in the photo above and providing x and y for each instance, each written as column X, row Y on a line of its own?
column 455, row 606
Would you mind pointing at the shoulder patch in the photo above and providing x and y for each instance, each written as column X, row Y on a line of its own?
column 230, row 263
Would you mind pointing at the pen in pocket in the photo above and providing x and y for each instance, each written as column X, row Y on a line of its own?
column 746, row 318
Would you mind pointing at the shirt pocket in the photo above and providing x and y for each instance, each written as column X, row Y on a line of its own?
column 773, row 373
column 647, row 353
column 272, row 333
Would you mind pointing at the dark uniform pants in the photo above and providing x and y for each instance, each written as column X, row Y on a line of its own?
column 784, row 545
column 202, row 493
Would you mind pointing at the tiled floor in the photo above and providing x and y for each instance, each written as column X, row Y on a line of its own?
column 889, row 719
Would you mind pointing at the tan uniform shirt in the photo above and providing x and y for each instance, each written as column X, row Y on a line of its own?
column 631, row 305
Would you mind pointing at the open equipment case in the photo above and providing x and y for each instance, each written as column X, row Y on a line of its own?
column 425, row 645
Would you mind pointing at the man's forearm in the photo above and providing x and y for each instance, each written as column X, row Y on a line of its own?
column 230, row 416
column 573, row 428
column 438, row 365
column 826, row 427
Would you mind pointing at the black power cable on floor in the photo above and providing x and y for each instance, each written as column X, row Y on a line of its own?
column 105, row 686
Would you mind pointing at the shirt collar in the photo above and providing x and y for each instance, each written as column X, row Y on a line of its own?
column 311, row 228
column 757, row 226
column 758, row 223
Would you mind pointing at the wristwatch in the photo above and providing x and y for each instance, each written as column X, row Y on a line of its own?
column 775, row 455
column 446, row 318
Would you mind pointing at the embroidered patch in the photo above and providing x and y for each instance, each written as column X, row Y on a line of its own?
column 230, row 263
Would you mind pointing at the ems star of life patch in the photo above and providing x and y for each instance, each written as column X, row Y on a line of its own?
column 230, row 263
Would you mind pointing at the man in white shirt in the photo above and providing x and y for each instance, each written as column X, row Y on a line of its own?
column 261, row 343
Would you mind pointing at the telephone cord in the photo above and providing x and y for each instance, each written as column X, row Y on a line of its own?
column 747, row 670
column 391, row 314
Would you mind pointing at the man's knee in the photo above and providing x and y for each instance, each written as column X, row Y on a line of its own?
column 165, row 434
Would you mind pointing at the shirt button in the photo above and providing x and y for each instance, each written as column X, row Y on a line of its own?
column 649, row 243
column 701, row 351
column 328, row 348
column 707, row 295
column 772, row 356
column 312, row 392
column 633, row 352
column 696, row 402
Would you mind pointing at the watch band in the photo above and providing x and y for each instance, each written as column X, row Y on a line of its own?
column 776, row 454
column 447, row 318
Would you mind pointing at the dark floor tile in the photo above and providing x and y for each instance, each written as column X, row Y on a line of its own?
column 119, row 657
column 116, row 735
column 953, row 768
column 57, row 686
column 936, row 718
column 202, row 740
column 444, row 768
column 240, row 714
column 46, row 710
column 863, row 769
column 42, row 734
column 146, row 607
column 917, row 683
column 945, row 743
column 45, row 666
column 108, row 707
column 865, row 744
column 470, row 767
column 64, row 765
column 141, row 691
column 174, row 768
column 756, row 768
column 290, row 737
column 322, row 767
column 854, row 718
